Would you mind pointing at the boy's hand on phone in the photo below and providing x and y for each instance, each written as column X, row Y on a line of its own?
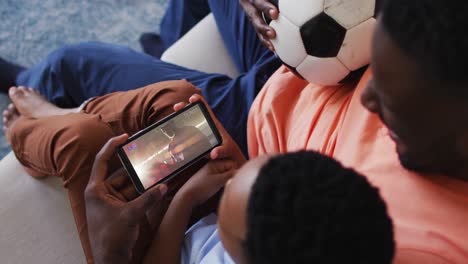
column 206, row 182
column 229, row 149
column 113, row 224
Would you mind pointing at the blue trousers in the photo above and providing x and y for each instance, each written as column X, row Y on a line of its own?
column 74, row 73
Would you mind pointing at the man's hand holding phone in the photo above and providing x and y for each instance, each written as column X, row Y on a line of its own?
column 204, row 184
column 112, row 223
column 170, row 148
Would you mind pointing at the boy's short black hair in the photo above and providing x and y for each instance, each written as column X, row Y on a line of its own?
column 306, row 208
column 434, row 33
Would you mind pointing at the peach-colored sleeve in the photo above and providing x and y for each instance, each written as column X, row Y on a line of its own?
column 290, row 114
column 254, row 122
column 261, row 134
column 410, row 256
column 267, row 125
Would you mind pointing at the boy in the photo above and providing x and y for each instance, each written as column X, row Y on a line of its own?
column 294, row 208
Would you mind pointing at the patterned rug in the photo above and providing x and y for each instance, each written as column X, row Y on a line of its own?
column 30, row 29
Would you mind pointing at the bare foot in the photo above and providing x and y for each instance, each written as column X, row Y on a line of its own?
column 30, row 103
column 10, row 116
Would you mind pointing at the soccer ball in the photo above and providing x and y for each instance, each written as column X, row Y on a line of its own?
column 324, row 41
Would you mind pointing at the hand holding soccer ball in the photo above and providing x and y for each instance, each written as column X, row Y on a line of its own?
column 322, row 41
column 256, row 10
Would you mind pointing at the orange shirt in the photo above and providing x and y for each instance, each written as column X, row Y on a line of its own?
column 430, row 213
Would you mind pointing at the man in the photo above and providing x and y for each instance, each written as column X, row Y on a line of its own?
column 417, row 94
column 429, row 210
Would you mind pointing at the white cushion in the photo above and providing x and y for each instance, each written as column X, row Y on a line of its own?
column 37, row 225
column 203, row 49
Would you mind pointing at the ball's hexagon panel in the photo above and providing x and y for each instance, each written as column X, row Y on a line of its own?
column 350, row 13
column 322, row 71
column 322, row 36
column 293, row 70
column 356, row 50
column 288, row 42
column 300, row 11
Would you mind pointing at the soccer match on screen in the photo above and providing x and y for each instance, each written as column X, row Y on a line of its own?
column 170, row 146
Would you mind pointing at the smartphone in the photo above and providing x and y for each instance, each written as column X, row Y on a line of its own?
column 168, row 147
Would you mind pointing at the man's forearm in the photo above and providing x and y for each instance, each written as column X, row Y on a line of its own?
column 167, row 245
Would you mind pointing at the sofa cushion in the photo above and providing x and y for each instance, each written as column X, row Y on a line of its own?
column 37, row 225
column 193, row 51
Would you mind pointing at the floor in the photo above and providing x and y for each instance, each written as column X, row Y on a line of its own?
column 30, row 29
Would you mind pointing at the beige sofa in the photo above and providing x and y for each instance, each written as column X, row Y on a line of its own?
column 37, row 225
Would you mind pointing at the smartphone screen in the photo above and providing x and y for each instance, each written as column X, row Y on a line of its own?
column 167, row 147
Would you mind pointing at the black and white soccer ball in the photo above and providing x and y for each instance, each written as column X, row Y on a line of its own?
column 324, row 41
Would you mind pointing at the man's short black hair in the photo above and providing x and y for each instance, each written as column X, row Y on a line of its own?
column 434, row 33
column 306, row 208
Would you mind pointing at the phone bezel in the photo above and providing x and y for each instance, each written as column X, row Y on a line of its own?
column 128, row 165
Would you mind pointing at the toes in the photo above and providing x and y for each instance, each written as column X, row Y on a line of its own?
column 9, row 113
column 34, row 91
column 6, row 119
column 22, row 90
column 13, row 109
column 31, row 90
column 12, row 91
column 6, row 113
column 17, row 92
column 5, row 130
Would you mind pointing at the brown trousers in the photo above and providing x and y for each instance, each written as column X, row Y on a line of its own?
column 65, row 146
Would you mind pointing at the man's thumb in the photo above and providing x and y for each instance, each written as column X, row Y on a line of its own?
column 151, row 197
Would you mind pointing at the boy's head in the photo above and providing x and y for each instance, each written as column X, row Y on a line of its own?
column 420, row 84
column 303, row 208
